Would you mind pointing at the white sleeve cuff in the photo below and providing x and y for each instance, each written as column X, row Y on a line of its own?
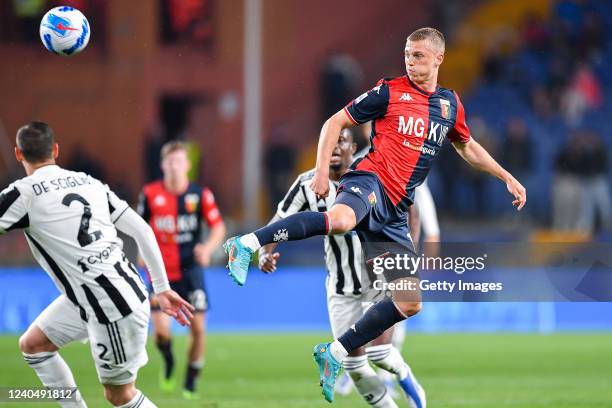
column 160, row 287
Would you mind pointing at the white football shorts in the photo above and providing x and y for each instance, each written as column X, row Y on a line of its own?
column 118, row 349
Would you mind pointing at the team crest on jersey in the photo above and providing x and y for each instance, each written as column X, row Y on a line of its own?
column 445, row 108
column 372, row 198
column 191, row 202
column 159, row 200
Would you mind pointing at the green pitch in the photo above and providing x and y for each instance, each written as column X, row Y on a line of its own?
column 457, row 370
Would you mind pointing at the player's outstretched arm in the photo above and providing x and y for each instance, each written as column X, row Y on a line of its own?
column 170, row 302
column 330, row 133
column 203, row 251
column 476, row 155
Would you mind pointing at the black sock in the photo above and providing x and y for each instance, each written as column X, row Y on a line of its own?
column 192, row 374
column 165, row 348
column 372, row 324
column 295, row 227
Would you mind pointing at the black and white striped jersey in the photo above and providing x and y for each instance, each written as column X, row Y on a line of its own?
column 68, row 219
column 343, row 255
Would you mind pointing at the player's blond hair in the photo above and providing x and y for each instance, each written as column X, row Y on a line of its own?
column 171, row 147
column 434, row 36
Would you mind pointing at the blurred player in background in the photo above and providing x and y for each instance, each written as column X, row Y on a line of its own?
column 346, row 283
column 177, row 211
column 71, row 221
column 412, row 116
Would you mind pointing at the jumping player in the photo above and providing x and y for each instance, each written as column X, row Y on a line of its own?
column 346, row 297
column 412, row 116
column 177, row 211
column 70, row 221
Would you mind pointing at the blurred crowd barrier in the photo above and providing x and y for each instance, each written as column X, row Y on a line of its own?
column 262, row 305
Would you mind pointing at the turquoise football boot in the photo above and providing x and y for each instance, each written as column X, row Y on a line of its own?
column 329, row 369
column 239, row 258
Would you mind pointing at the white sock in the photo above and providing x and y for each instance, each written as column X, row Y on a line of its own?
column 374, row 392
column 369, row 386
column 53, row 372
column 338, row 351
column 385, row 376
column 250, row 241
column 358, row 367
column 399, row 335
column 199, row 364
column 139, row 401
column 388, row 358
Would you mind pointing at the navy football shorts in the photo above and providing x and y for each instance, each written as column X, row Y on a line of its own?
column 382, row 228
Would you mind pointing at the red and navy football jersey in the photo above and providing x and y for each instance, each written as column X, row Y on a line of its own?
column 177, row 222
column 409, row 126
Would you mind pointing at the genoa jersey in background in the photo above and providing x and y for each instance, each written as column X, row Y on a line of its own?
column 177, row 222
column 409, row 126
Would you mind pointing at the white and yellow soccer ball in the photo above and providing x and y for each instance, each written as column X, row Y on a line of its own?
column 64, row 31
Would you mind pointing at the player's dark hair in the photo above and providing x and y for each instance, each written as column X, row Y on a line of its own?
column 171, row 147
column 36, row 140
column 429, row 33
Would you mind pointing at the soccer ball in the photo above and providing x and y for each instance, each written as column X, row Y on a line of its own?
column 64, row 31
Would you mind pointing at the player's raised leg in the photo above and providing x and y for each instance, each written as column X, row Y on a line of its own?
column 339, row 219
column 57, row 325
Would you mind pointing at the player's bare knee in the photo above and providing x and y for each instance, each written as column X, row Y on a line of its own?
column 409, row 308
column 26, row 345
column 342, row 220
column 34, row 341
column 119, row 394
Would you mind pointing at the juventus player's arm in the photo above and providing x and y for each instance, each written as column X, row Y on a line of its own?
column 430, row 227
column 172, row 304
column 13, row 209
column 414, row 222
